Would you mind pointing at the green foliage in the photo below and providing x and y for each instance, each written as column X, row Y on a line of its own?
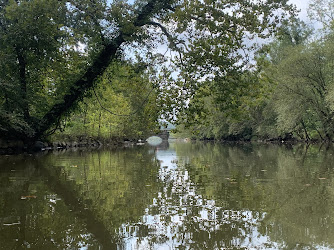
column 290, row 95
column 123, row 105
column 39, row 59
column 304, row 78
column 221, row 90
column 228, row 112
column 215, row 39
column 55, row 52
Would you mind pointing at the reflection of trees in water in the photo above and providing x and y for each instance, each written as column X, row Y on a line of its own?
column 31, row 215
column 292, row 185
column 211, row 196
column 115, row 186
column 87, row 196
column 181, row 217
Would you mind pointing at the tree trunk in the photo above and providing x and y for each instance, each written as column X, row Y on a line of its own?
column 305, row 131
column 85, row 121
column 23, row 84
column 99, row 132
column 86, row 82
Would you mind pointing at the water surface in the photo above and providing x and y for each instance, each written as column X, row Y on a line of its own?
column 173, row 196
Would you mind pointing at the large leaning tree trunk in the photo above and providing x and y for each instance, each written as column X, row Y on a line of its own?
column 101, row 62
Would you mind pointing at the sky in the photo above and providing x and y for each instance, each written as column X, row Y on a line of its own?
column 301, row 4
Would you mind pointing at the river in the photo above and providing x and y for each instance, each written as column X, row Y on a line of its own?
column 178, row 195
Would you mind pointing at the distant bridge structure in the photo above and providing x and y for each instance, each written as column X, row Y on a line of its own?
column 164, row 132
column 164, row 135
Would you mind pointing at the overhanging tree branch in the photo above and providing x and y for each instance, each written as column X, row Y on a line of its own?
column 172, row 40
column 164, row 30
column 86, row 82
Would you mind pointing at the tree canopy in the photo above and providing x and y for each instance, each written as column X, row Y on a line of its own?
column 54, row 52
column 289, row 95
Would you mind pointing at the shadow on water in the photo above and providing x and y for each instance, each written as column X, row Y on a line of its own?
column 75, row 203
column 75, row 199
column 174, row 195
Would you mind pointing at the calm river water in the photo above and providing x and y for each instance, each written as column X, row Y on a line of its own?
column 174, row 196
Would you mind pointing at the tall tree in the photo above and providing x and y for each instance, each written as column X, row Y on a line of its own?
column 44, row 43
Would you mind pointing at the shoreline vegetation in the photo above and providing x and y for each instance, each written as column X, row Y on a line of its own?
column 13, row 147
column 18, row 146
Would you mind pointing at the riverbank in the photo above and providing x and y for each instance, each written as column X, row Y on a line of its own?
column 18, row 146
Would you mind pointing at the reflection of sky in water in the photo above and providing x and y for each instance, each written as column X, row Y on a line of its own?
column 210, row 196
column 178, row 212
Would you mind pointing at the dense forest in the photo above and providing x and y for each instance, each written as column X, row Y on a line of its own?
column 288, row 95
column 233, row 70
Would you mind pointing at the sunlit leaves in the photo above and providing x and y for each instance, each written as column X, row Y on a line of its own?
column 123, row 105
